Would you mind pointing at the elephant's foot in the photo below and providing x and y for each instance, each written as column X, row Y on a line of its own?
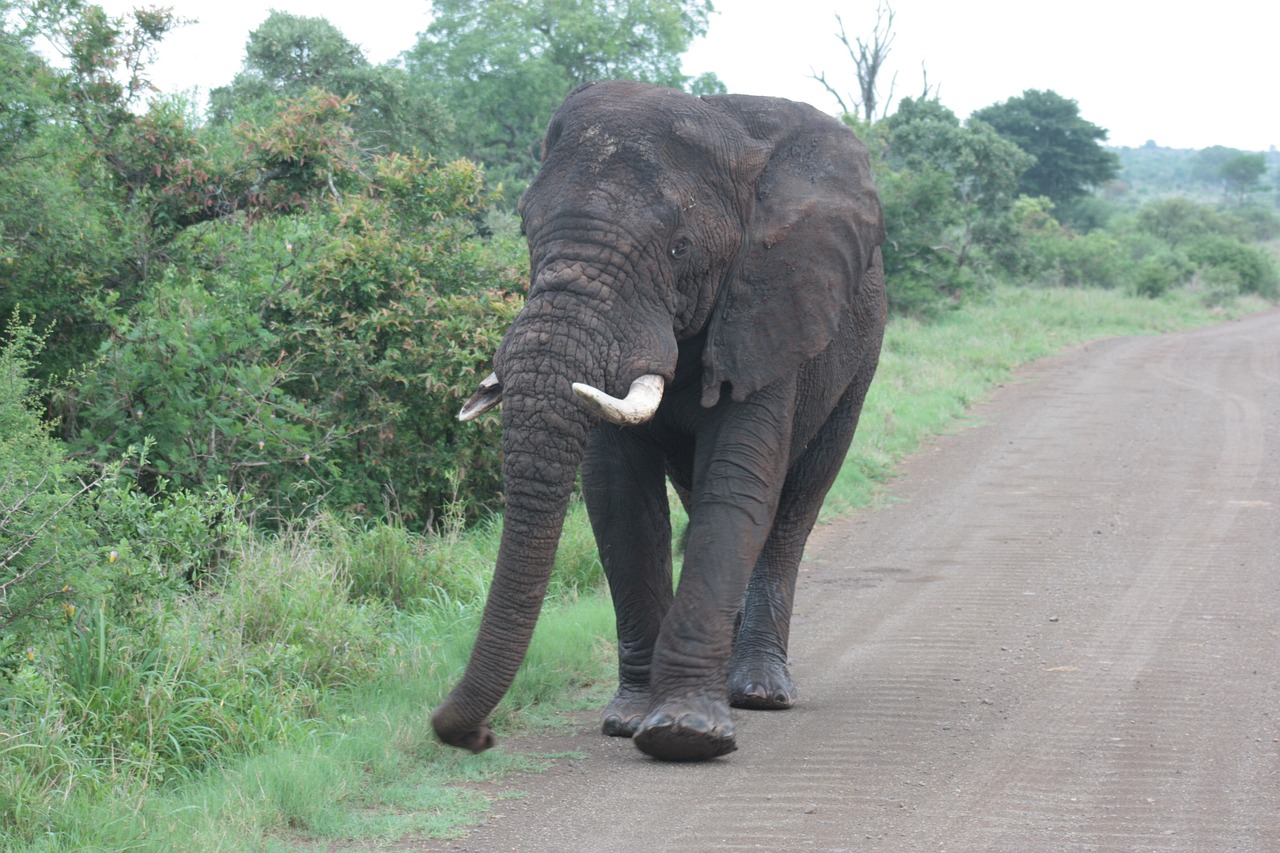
column 687, row 730
column 762, row 687
column 624, row 712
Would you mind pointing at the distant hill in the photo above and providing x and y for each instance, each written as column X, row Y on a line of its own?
column 1152, row 171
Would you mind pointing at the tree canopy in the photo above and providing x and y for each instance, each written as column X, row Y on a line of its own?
column 502, row 66
column 1241, row 174
column 288, row 55
column 1070, row 159
column 947, row 189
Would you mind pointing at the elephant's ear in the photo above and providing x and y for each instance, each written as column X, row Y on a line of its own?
column 814, row 225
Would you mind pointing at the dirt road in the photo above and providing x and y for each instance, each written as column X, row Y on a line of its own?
column 1062, row 633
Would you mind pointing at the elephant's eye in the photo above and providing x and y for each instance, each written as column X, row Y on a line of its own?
column 680, row 248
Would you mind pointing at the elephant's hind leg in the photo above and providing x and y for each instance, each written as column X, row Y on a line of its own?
column 759, row 677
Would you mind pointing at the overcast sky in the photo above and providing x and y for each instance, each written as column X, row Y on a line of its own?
column 1185, row 76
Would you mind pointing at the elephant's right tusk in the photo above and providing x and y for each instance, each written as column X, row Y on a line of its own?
column 639, row 406
column 488, row 395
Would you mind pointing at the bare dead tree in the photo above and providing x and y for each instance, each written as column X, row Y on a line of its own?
column 926, row 90
column 868, row 60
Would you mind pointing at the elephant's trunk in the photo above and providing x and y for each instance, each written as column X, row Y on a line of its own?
column 543, row 442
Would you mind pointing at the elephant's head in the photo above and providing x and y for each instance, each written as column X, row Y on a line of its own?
column 656, row 217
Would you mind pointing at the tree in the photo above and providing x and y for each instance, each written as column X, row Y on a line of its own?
column 314, row 339
column 288, row 55
column 947, row 190
column 1070, row 159
column 1240, row 175
column 868, row 60
column 27, row 87
column 79, row 163
column 1177, row 220
column 1206, row 164
column 502, row 66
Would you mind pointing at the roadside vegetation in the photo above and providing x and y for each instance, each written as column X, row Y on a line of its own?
column 243, row 540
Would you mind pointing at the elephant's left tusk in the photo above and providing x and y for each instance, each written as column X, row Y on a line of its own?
column 639, row 406
column 488, row 395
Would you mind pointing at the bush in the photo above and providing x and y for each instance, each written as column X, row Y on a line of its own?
column 194, row 373
column 43, row 540
column 921, row 261
column 1161, row 272
column 1251, row 268
column 1177, row 220
column 62, row 241
column 1066, row 259
column 1257, row 223
column 319, row 358
column 71, row 541
column 162, row 545
column 395, row 318
column 1180, row 221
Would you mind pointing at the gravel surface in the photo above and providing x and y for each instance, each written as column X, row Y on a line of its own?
column 1061, row 632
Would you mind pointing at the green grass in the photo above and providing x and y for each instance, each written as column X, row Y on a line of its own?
column 287, row 706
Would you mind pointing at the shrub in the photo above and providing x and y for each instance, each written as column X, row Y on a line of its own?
column 1161, row 272
column 161, row 545
column 395, row 319
column 43, row 540
column 1257, row 223
column 1177, row 220
column 1065, row 259
column 1252, row 268
column 316, row 358
column 71, row 541
column 921, row 258
column 195, row 375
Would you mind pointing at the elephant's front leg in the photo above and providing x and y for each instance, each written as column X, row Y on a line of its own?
column 625, row 490
column 739, row 467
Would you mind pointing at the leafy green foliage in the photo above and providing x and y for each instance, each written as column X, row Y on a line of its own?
column 1241, row 175
column 27, row 89
column 1164, row 245
column 163, row 543
column 395, row 321
column 41, row 531
column 1069, row 157
column 502, row 67
column 322, row 355
column 68, row 539
column 1177, row 220
column 63, row 239
column 1243, row 268
column 290, row 55
column 196, row 373
column 947, row 190
column 287, row 376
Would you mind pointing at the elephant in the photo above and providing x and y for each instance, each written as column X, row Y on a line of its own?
column 706, row 304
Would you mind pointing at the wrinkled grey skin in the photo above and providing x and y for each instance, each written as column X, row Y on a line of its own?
column 729, row 244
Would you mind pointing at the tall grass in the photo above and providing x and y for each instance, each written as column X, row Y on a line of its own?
column 289, row 698
column 287, row 701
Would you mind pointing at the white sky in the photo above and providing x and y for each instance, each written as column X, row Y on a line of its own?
column 1187, row 76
